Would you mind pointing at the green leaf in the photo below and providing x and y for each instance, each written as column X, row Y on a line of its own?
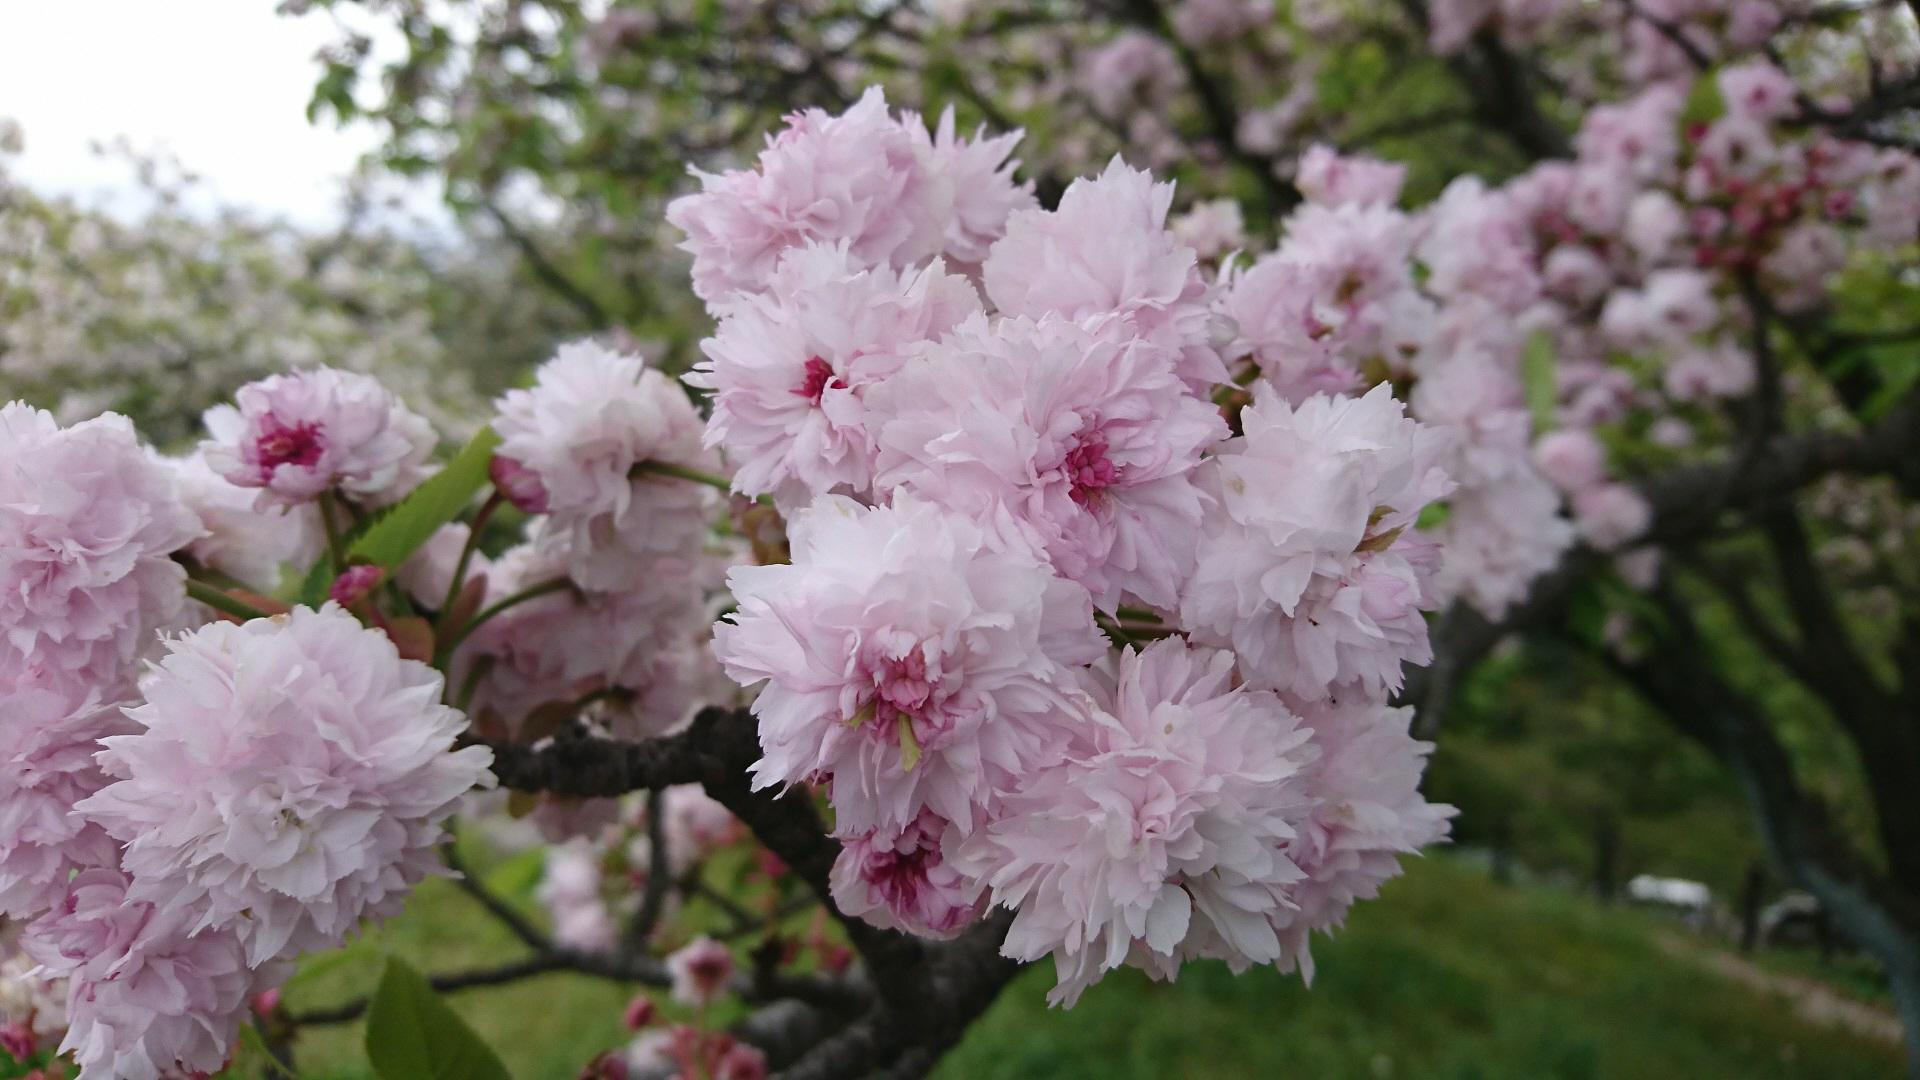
column 519, row 875
column 413, row 1035
column 1896, row 381
column 1704, row 103
column 909, row 746
column 441, row 499
column 320, row 965
column 1536, row 373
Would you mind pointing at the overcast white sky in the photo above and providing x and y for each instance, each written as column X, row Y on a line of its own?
column 223, row 84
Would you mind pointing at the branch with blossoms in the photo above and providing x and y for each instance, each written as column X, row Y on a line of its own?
column 985, row 471
column 1063, row 600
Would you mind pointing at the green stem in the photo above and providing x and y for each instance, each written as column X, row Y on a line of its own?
column 335, row 551
column 466, row 558
column 668, row 468
column 223, row 602
column 1113, row 631
column 472, row 682
column 529, row 593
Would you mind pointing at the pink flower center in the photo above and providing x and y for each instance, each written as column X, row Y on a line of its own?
column 907, row 708
column 1089, row 470
column 710, row 972
column 819, row 376
column 899, row 876
column 902, row 683
column 280, row 445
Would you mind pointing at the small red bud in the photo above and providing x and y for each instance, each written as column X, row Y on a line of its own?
column 519, row 485
column 353, row 585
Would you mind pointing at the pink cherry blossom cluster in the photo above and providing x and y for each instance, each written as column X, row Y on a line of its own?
column 1629, row 270
column 1652, row 38
column 1058, row 632
column 201, row 782
column 174, row 836
column 615, row 565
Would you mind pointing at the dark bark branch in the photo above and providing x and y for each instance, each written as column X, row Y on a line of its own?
column 1216, row 105
column 653, row 898
column 1841, row 673
column 1874, row 715
column 1501, row 88
column 926, row 993
column 1766, row 405
column 1673, row 33
column 496, row 906
column 548, row 272
column 908, row 1028
column 537, row 964
column 1462, row 636
column 791, row 828
column 1734, row 589
column 579, row 764
column 1687, row 502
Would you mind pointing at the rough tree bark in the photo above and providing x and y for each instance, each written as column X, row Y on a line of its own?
column 913, row 1000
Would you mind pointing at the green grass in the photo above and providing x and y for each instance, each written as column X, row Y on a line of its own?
column 1446, row 976
column 1856, row 975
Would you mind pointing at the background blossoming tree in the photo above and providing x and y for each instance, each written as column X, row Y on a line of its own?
column 1084, row 570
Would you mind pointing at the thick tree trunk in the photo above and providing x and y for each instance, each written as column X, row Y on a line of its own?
column 1871, row 923
column 1678, row 677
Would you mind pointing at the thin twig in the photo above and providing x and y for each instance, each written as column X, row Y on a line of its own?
column 653, row 898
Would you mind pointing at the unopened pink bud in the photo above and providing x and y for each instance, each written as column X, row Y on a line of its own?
column 640, row 1012
column 17, row 1039
column 353, row 585
column 520, row 485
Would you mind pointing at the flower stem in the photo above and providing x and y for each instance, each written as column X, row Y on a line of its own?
column 668, row 468
column 222, row 601
column 529, row 593
column 459, row 579
column 472, row 682
column 335, row 551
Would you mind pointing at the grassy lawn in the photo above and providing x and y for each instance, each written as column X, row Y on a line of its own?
column 1446, row 976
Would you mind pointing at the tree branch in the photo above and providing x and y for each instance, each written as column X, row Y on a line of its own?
column 653, row 898
column 1686, row 501
column 574, row 762
column 537, row 964
column 1216, row 105
column 1679, row 678
column 549, row 274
